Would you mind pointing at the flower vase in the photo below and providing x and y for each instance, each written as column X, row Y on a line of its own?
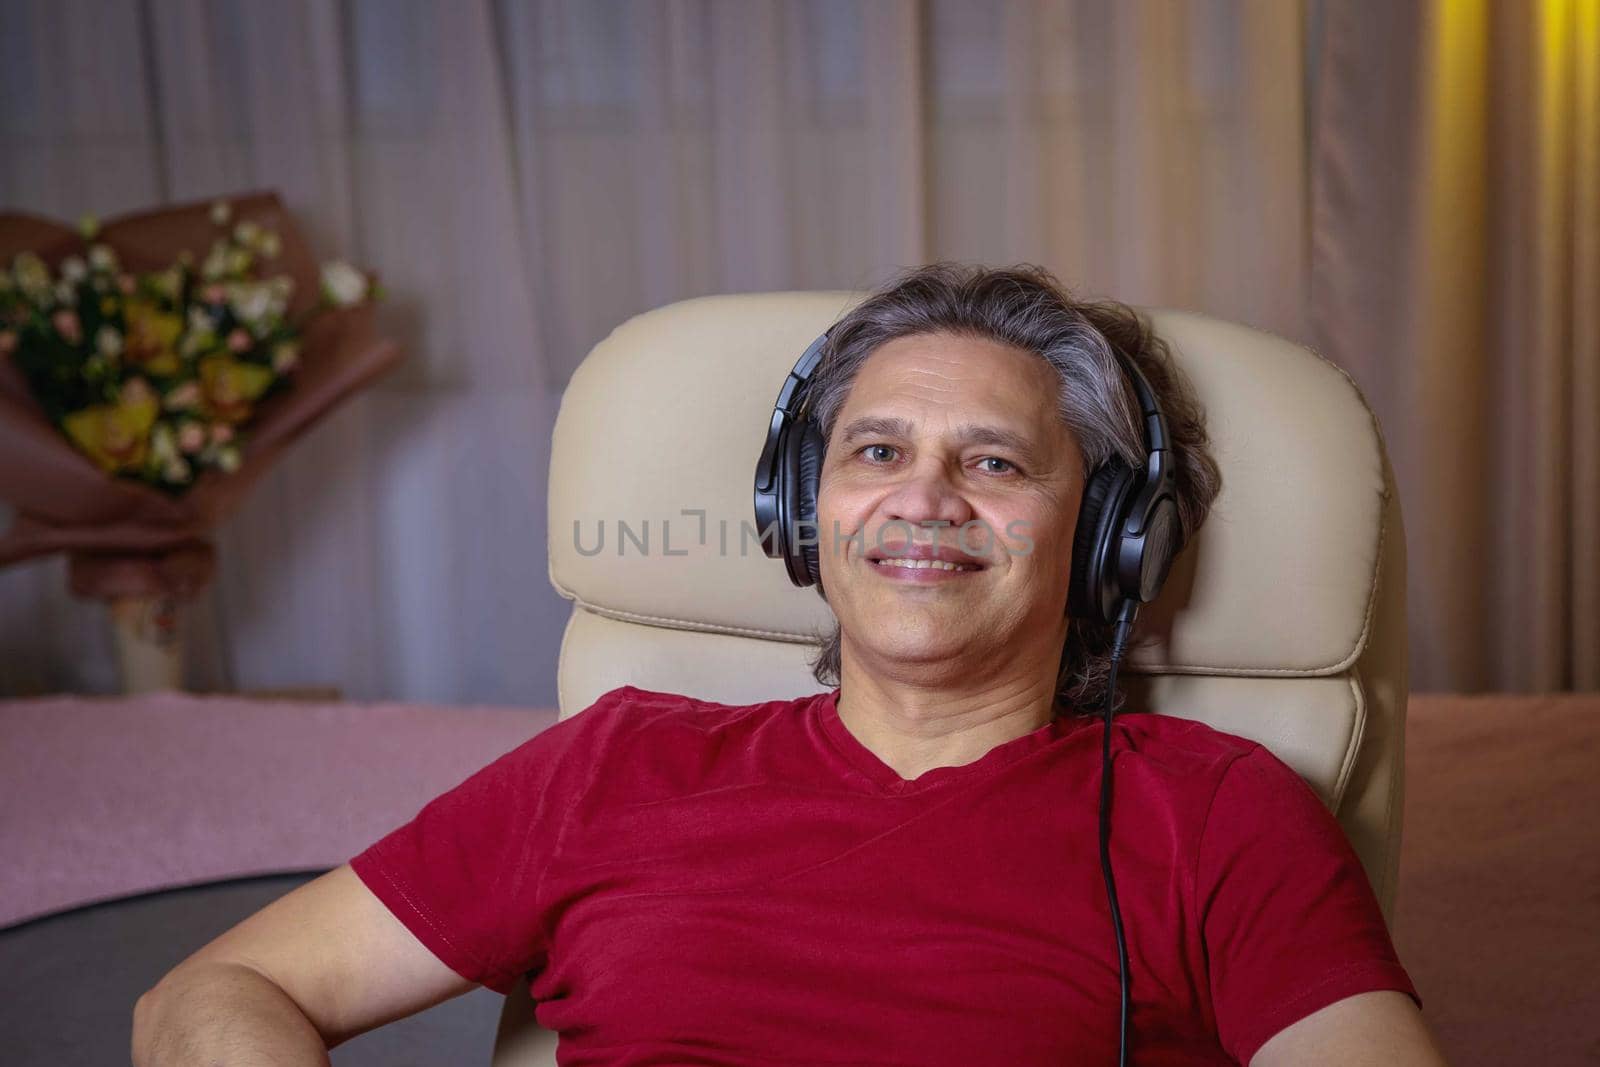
column 149, row 642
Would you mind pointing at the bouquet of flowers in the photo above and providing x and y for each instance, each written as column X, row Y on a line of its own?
column 155, row 376
column 151, row 370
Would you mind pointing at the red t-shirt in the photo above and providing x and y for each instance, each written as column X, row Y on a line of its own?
column 692, row 882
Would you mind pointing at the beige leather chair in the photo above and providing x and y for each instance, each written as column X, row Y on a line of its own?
column 1282, row 621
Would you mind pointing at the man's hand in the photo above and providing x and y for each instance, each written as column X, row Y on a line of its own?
column 309, row 971
column 1378, row 1029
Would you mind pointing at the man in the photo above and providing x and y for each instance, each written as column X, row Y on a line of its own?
column 901, row 870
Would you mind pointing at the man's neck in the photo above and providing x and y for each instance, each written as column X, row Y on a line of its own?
column 915, row 725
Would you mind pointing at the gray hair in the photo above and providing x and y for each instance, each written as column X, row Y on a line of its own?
column 1026, row 307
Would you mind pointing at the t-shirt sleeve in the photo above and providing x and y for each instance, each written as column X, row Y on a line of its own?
column 464, row 875
column 1290, row 922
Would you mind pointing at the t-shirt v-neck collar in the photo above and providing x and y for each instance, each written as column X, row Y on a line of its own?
column 885, row 779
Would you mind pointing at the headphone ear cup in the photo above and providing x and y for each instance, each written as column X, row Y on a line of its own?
column 1092, row 592
column 807, row 476
column 1162, row 543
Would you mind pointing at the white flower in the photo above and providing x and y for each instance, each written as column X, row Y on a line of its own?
column 74, row 269
column 65, row 293
column 221, row 212
column 343, row 283
column 247, row 233
column 177, row 471
column 163, row 444
column 200, row 324
column 238, row 261
column 216, row 262
column 228, row 459
column 270, row 245
column 108, row 341
column 251, row 301
column 32, row 275
column 102, row 257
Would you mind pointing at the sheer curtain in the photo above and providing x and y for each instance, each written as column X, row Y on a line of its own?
column 1456, row 274
column 526, row 175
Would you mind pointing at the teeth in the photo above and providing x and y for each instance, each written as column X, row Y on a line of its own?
column 922, row 564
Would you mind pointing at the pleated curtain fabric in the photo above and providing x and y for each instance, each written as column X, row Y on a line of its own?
column 1456, row 274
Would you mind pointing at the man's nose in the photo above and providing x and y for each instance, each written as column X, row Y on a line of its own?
column 928, row 496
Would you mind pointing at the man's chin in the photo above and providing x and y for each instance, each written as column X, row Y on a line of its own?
column 913, row 645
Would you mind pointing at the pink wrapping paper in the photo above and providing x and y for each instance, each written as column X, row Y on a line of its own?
column 128, row 539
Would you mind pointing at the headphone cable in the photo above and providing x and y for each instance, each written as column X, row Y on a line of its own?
column 1118, row 647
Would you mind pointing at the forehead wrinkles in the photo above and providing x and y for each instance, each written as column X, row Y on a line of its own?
column 957, row 390
column 939, row 375
column 978, row 372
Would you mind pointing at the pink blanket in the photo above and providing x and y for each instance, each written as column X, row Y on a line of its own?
column 103, row 797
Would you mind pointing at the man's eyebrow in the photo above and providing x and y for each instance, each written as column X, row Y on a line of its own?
column 876, row 426
column 891, row 426
column 995, row 437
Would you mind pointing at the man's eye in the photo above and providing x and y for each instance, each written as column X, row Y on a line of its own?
column 875, row 453
column 1006, row 466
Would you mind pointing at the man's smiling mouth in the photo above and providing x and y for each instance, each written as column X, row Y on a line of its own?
column 913, row 561
column 922, row 564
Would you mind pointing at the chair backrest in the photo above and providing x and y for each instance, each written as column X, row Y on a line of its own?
column 1282, row 621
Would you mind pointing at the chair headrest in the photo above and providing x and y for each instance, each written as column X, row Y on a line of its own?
column 659, row 430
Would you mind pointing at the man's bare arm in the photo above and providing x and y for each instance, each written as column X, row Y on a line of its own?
column 309, row 971
column 1378, row 1029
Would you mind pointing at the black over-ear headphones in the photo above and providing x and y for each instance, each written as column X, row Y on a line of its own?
column 1128, row 531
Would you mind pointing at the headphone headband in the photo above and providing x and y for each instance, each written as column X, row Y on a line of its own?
column 1155, row 422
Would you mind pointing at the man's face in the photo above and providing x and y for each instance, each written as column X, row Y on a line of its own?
column 945, row 429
